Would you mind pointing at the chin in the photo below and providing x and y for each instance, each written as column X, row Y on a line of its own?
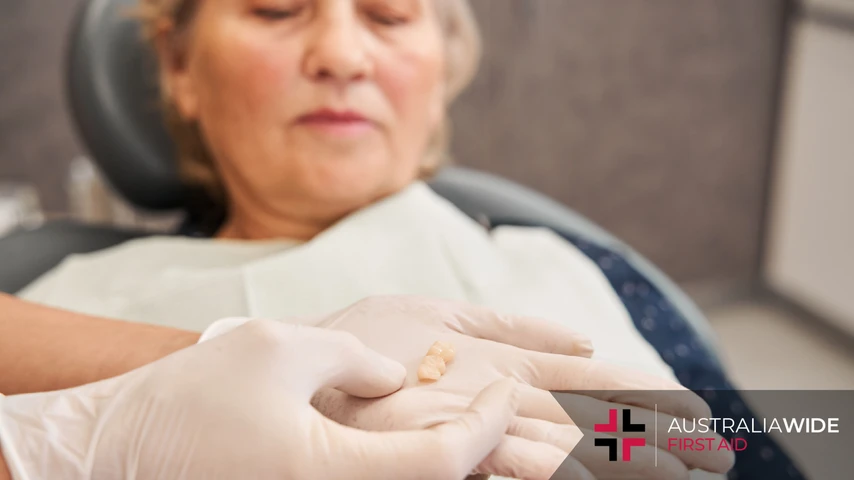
column 358, row 179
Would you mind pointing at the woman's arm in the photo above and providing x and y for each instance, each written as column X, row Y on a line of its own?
column 4, row 472
column 43, row 349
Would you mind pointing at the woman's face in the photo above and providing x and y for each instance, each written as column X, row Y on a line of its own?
column 313, row 108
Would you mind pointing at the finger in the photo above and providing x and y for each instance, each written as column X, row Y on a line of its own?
column 480, row 431
column 613, row 383
column 517, row 457
column 562, row 436
column 542, row 405
column 529, row 333
column 449, row 450
column 343, row 362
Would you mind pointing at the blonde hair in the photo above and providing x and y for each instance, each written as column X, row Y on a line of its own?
column 195, row 163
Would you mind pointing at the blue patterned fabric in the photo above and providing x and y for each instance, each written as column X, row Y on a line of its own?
column 695, row 367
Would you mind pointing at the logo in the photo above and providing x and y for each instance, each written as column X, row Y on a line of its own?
column 612, row 443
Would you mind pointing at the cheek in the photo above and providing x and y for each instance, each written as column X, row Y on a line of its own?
column 243, row 78
column 241, row 81
column 413, row 84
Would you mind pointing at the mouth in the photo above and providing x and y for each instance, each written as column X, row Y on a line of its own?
column 336, row 122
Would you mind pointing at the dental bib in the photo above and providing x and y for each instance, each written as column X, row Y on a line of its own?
column 414, row 242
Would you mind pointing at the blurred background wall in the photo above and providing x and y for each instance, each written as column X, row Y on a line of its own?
column 809, row 253
column 654, row 118
column 37, row 140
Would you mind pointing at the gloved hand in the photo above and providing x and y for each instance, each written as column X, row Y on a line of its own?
column 238, row 406
column 541, row 354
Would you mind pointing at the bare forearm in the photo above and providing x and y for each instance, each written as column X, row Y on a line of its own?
column 43, row 349
column 4, row 471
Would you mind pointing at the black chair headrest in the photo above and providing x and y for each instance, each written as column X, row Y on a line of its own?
column 114, row 99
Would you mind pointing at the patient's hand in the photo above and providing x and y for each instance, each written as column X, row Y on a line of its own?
column 543, row 356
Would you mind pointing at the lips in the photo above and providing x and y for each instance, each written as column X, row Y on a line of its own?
column 337, row 123
column 333, row 116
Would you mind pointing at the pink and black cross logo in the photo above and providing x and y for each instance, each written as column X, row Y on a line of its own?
column 611, row 443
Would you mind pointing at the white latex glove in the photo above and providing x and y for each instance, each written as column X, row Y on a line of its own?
column 542, row 355
column 238, row 406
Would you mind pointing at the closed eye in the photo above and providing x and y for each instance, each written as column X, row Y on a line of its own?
column 388, row 20
column 273, row 14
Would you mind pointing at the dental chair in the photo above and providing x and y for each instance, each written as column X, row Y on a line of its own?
column 111, row 87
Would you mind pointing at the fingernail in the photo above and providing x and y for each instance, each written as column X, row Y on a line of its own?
column 394, row 370
column 585, row 347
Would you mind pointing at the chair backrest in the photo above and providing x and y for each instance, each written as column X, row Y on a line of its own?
column 112, row 88
column 27, row 254
column 114, row 98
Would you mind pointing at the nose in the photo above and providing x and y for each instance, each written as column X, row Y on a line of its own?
column 337, row 52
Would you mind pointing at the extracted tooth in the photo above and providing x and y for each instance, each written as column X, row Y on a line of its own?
column 434, row 361
column 442, row 349
column 427, row 372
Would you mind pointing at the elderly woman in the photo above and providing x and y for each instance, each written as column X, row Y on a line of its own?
column 309, row 126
